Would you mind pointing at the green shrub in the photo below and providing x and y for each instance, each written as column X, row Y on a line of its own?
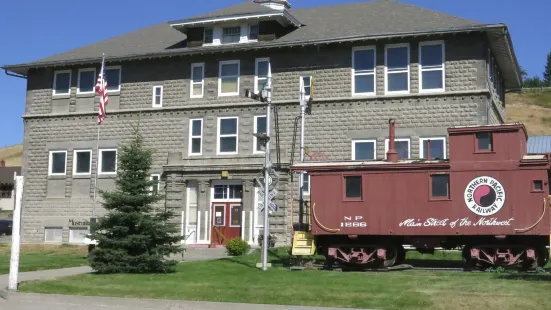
column 237, row 246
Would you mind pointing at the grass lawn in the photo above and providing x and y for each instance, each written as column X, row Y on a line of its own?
column 238, row 280
column 42, row 257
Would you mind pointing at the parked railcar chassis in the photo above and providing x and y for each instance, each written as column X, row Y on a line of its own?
column 478, row 252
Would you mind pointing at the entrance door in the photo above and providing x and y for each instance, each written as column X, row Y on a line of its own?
column 226, row 222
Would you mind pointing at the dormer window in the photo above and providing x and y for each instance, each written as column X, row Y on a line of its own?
column 231, row 34
column 208, row 36
column 253, row 32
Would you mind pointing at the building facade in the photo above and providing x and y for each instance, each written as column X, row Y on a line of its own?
column 184, row 81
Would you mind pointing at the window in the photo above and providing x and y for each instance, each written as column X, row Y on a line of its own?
column 306, row 184
column 262, row 67
column 192, row 203
column 228, row 81
column 363, row 71
column 6, row 190
column 86, row 81
column 113, row 77
column 62, row 82
column 207, row 36
column 227, row 135
column 537, row 186
column 228, row 191
column 402, row 148
column 437, row 147
column 197, row 80
column 259, row 127
column 155, row 188
column 78, row 234
column 53, row 234
column 253, row 32
column 431, row 66
column 195, row 136
column 363, row 149
column 82, row 162
column 231, row 34
column 58, row 163
column 353, row 187
column 108, row 161
column 397, row 68
column 440, row 186
column 236, row 215
column 307, row 82
column 157, row 96
column 484, row 141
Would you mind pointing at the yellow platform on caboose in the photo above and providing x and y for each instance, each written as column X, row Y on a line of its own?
column 303, row 243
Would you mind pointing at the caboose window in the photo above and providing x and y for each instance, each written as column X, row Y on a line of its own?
column 538, row 186
column 484, row 141
column 353, row 186
column 440, row 185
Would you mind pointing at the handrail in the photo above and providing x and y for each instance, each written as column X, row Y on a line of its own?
column 318, row 222
column 534, row 225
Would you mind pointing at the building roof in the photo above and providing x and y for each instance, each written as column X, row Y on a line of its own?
column 322, row 24
column 6, row 174
column 539, row 144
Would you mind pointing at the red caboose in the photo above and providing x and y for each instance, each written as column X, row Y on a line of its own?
column 490, row 198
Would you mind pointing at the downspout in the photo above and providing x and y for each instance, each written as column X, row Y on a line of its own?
column 15, row 75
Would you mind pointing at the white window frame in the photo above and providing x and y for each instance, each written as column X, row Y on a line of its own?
column 192, row 83
column 191, row 136
column 256, row 78
column 75, row 162
column 73, row 229
column 50, row 163
column 408, row 70
column 78, row 82
column 374, row 73
column 228, row 62
column 158, row 182
column 354, row 142
column 120, row 78
column 56, row 228
column 100, row 161
column 218, row 136
column 307, row 191
column 442, row 67
column 154, row 95
column 301, row 81
column 55, row 82
column 396, row 140
column 255, row 128
column 422, row 145
column 231, row 26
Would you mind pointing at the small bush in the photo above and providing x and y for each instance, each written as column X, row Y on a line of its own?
column 237, row 246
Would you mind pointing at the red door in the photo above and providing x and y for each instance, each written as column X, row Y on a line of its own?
column 226, row 222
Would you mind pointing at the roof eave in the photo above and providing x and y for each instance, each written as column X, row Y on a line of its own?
column 22, row 69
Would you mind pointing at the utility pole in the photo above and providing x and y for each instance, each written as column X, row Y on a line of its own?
column 267, row 168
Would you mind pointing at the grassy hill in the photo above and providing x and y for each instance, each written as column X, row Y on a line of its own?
column 531, row 108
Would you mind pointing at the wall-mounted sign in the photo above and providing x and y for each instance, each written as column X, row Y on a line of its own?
column 79, row 223
column 484, row 196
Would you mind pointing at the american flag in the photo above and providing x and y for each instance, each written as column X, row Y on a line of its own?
column 101, row 90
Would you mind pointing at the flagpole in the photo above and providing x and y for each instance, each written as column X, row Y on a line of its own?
column 97, row 171
column 101, row 114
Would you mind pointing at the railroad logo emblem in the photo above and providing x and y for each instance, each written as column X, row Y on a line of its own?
column 484, row 196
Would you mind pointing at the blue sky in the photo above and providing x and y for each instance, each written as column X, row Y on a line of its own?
column 33, row 29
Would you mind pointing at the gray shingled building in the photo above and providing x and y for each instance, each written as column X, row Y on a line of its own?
column 362, row 63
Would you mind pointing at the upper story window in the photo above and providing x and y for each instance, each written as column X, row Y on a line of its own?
column 82, row 162
column 363, row 71
column 86, row 81
column 253, row 32
column 113, row 77
column 261, row 73
column 195, row 136
column 259, row 127
column 197, row 80
column 397, row 68
column 231, row 34
column 62, row 82
column 208, row 35
column 228, row 81
column 157, row 96
column 363, row 149
column 57, row 163
column 227, row 135
column 431, row 66
column 108, row 161
column 307, row 82
column 306, row 184
column 402, row 147
column 437, row 147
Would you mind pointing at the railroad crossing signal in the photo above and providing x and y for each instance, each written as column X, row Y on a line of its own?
column 272, row 206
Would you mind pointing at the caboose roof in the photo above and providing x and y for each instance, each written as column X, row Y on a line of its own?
column 372, row 164
column 486, row 128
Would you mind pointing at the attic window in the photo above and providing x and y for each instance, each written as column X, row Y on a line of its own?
column 253, row 32
column 208, row 36
column 231, row 34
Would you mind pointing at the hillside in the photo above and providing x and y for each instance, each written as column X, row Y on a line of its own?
column 531, row 108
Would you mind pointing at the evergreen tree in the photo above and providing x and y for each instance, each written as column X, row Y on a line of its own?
column 547, row 72
column 133, row 237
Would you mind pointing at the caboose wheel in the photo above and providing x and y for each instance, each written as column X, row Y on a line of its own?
column 392, row 254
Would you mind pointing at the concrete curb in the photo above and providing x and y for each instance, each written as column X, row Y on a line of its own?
column 4, row 293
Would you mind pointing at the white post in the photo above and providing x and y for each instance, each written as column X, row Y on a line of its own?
column 267, row 167
column 96, row 176
column 16, row 229
column 302, row 100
